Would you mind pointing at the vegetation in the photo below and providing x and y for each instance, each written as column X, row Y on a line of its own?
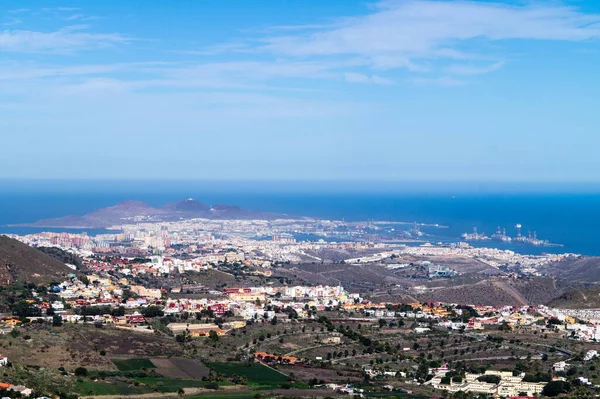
column 133, row 364
column 254, row 372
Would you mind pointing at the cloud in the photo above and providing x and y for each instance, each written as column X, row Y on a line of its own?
column 353, row 77
column 60, row 9
column 64, row 40
column 12, row 22
column 441, row 81
column 420, row 29
column 473, row 70
column 74, row 17
column 18, row 10
column 418, row 35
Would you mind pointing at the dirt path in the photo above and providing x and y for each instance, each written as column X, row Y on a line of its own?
column 161, row 395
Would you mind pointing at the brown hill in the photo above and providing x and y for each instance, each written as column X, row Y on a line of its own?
column 20, row 262
column 583, row 268
column 497, row 291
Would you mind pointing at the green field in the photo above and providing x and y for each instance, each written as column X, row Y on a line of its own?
column 108, row 388
column 254, row 372
column 170, row 384
column 133, row 364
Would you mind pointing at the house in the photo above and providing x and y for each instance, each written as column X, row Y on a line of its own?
column 269, row 357
column 135, row 318
column 590, row 355
column 205, row 332
column 560, row 366
column 3, row 361
column 22, row 389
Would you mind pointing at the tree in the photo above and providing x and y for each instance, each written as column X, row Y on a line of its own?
column 212, row 334
column 120, row 311
column 274, row 320
column 382, row 323
column 422, row 372
column 152, row 311
column 555, row 388
column 25, row 309
column 489, row 378
column 80, row 371
column 57, row 321
column 180, row 392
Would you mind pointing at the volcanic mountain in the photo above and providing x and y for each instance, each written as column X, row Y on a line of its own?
column 139, row 212
column 188, row 206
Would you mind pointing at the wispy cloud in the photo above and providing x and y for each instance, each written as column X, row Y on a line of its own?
column 80, row 17
column 416, row 34
column 441, row 81
column 18, row 10
column 472, row 69
column 12, row 22
column 426, row 28
column 60, row 9
column 353, row 77
column 64, row 40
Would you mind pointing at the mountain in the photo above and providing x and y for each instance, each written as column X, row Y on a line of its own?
column 188, row 206
column 138, row 212
column 126, row 211
column 20, row 262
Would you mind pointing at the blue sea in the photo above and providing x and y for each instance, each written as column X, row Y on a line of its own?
column 567, row 214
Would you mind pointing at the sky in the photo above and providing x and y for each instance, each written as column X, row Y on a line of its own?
column 405, row 90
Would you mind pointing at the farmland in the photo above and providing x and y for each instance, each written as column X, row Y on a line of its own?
column 170, row 384
column 180, row 368
column 252, row 371
column 109, row 388
column 133, row 364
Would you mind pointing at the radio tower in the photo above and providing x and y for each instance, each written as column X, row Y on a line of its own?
column 518, row 226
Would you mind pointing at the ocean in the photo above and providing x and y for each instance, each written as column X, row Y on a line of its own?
column 567, row 217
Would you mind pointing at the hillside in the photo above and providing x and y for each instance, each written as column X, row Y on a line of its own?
column 136, row 211
column 578, row 298
column 20, row 262
column 583, row 268
column 497, row 291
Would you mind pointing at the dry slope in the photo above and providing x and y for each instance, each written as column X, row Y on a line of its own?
column 20, row 262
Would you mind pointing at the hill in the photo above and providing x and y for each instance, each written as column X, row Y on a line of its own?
column 583, row 268
column 497, row 291
column 20, row 262
column 136, row 211
column 188, row 206
column 62, row 256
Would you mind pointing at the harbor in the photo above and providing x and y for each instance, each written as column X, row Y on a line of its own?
column 501, row 235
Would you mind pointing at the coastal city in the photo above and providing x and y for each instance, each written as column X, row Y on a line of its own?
column 299, row 199
column 263, row 297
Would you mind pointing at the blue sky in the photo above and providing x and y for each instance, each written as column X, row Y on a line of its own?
column 311, row 90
